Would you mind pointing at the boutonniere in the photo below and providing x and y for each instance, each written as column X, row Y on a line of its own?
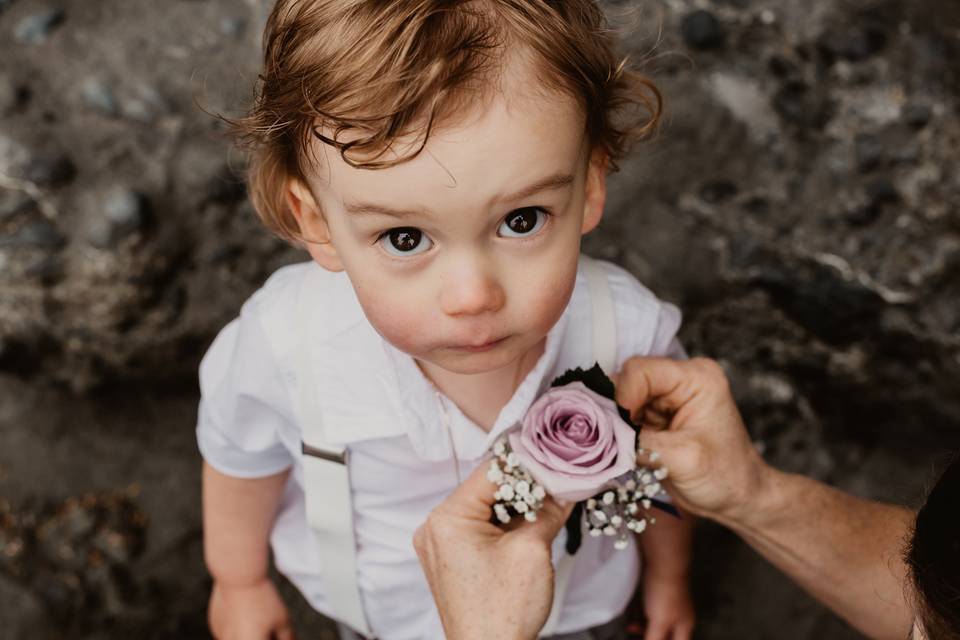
column 577, row 444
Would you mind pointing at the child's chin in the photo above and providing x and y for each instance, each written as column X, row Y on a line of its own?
column 470, row 363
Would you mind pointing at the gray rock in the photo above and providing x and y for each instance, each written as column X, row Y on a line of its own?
column 855, row 44
column 39, row 235
column 123, row 212
column 146, row 106
column 13, row 202
column 98, row 95
column 37, row 27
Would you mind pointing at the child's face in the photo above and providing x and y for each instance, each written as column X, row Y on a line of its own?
column 466, row 255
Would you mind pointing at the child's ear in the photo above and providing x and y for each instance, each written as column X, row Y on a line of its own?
column 313, row 225
column 595, row 191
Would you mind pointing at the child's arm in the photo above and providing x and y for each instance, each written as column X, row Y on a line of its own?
column 666, row 576
column 238, row 515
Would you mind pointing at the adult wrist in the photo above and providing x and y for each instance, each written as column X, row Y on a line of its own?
column 763, row 500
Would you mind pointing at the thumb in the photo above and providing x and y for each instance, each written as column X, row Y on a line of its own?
column 662, row 441
column 550, row 519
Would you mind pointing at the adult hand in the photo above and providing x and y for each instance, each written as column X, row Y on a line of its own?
column 487, row 582
column 688, row 416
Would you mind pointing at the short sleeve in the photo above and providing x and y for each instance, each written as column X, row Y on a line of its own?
column 665, row 341
column 244, row 405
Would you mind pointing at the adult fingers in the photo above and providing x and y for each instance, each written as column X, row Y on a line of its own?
column 474, row 497
column 645, row 380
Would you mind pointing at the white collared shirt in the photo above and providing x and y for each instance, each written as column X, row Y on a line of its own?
column 404, row 456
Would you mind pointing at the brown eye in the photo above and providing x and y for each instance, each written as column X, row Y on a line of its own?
column 405, row 241
column 523, row 222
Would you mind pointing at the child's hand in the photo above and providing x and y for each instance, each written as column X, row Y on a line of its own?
column 668, row 607
column 249, row 612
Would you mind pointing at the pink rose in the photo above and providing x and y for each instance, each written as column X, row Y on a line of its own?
column 574, row 442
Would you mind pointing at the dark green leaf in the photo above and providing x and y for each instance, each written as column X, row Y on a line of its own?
column 575, row 529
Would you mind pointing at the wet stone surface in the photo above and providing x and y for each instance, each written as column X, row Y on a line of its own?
column 800, row 205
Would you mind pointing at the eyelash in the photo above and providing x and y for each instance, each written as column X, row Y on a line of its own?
column 543, row 210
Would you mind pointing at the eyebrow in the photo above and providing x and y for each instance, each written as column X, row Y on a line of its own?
column 556, row 181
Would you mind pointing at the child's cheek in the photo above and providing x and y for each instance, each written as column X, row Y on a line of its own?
column 399, row 324
column 545, row 299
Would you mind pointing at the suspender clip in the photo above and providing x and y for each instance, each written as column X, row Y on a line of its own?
column 339, row 457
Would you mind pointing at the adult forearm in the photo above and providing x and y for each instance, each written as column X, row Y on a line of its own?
column 238, row 514
column 845, row 551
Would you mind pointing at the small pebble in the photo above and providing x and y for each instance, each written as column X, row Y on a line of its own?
column 13, row 202
column 34, row 235
column 124, row 212
column 37, row 27
column 916, row 115
column 49, row 169
column 863, row 215
column 233, row 27
column 717, row 191
column 98, row 95
column 869, row 151
column 881, row 191
column 797, row 103
column 854, row 45
column 701, row 30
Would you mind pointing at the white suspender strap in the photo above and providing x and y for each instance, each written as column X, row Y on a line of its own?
column 604, row 319
column 605, row 353
column 329, row 504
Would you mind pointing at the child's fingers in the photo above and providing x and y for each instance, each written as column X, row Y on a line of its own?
column 656, row 631
column 284, row 632
column 682, row 632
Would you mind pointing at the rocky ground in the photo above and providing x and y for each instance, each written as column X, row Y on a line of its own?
column 800, row 205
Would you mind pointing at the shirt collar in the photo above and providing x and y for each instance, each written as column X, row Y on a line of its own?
column 436, row 425
column 369, row 389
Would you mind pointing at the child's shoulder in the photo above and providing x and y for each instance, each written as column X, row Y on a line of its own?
column 278, row 306
column 645, row 324
column 625, row 289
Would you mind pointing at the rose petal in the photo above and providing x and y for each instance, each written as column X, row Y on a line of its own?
column 574, row 442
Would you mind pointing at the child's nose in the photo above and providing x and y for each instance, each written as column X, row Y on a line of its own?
column 471, row 290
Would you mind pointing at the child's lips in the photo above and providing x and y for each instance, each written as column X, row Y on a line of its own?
column 478, row 348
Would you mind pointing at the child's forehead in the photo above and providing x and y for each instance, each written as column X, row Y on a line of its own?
column 506, row 139
column 511, row 118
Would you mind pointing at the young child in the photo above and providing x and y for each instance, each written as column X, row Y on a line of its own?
column 439, row 160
